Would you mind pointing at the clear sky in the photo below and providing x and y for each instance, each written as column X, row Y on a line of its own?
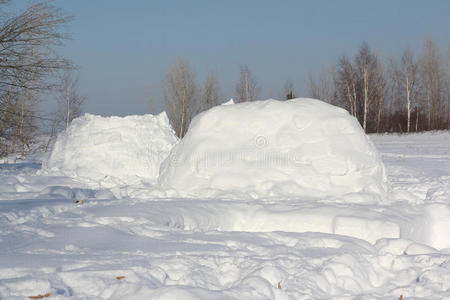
column 124, row 47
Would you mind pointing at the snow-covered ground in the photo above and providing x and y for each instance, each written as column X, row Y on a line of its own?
column 126, row 242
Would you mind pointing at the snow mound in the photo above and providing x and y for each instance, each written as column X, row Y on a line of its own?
column 229, row 102
column 302, row 147
column 110, row 151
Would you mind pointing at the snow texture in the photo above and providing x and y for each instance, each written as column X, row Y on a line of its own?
column 110, row 151
column 302, row 147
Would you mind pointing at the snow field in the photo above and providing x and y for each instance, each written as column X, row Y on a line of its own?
column 132, row 239
column 160, row 257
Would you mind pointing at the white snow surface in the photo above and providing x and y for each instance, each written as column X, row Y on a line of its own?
column 229, row 102
column 81, row 239
column 111, row 151
column 301, row 147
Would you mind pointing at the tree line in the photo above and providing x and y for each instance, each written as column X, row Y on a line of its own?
column 410, row 93
column 184, row 97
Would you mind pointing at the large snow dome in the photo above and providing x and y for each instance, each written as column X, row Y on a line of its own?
column 112, row 150
column 302, row 147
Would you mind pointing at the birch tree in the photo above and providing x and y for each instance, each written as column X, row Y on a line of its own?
column 346, row 82
column 409, row 82
column 447, row 78
column 363, row 61
column 211, row 92
column 69, row 98
column 246, row 88
column 369, row 75
column 431, row 75
column 180, row 96
column 380, row 83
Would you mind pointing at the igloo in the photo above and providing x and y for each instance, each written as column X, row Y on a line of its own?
column 301, row 147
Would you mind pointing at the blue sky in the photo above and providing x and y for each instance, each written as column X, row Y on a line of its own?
column 124, row 47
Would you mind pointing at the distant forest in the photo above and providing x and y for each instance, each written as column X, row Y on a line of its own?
column 409, row 93
column 404, row 94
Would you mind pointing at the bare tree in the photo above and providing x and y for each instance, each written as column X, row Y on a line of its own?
column 380, row 86
column 289, row 90
column 151, row 105
column 364, row 62
column 325, row 88
column 408, row 81
column 447, row 91
column 346, row 83
column 431, row 75
column 246, row 87
column 211, row 92
column 180, row 96
column 27, row 65
column 69, row 99
column 27, row 42
column 358, row 86
column 69, row 105
column 20, row 120
column 314, row 88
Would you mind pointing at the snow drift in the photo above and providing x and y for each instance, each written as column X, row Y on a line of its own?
column 111, row 151
column 302, row 147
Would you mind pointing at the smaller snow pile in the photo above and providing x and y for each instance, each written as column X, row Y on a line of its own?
column 112, row 150
column 229, row 102
column 302, row 147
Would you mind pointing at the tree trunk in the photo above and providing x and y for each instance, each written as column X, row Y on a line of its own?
column 366, row 99
column 380, row 108
column 429, row 109
column 417, row 119
column 408, row 103
column 67, row 106
column 247, row 96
